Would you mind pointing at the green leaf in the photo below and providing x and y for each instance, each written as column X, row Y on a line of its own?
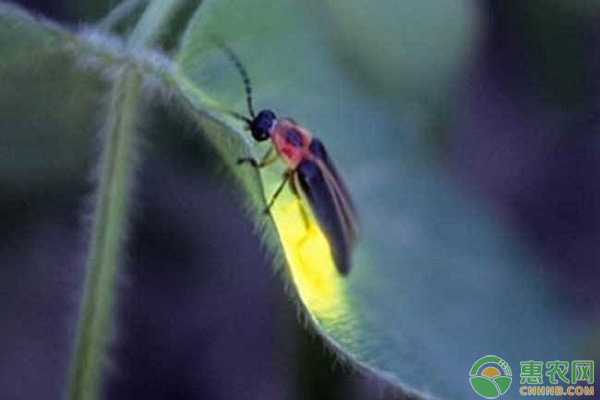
column 438, row 282
column 424, row 47
column 49, row 104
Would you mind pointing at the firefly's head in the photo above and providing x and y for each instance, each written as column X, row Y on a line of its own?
column 262, row 125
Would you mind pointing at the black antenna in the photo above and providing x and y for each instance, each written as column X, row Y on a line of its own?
column 244, row 74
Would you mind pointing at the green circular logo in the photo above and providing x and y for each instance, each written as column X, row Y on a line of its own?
column 490, row 377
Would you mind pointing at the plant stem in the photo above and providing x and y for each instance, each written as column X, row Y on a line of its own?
column 119, row 13
column 154, row 20
column 108, row 235
column 111, row 212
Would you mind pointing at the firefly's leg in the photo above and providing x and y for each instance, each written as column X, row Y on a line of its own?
column 286, row 177
column 267, row 159
column 302, row 210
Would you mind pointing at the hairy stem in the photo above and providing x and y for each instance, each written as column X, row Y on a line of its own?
column 152, row 23
column 111, row 212
column 108, row 235
column 119, row 13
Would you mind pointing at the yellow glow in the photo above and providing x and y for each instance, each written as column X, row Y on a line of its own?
column 318, row 282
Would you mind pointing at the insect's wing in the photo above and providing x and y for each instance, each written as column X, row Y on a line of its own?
column 343, row 197
column 319, row 188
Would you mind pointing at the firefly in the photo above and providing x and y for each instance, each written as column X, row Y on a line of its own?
column 310, row 173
